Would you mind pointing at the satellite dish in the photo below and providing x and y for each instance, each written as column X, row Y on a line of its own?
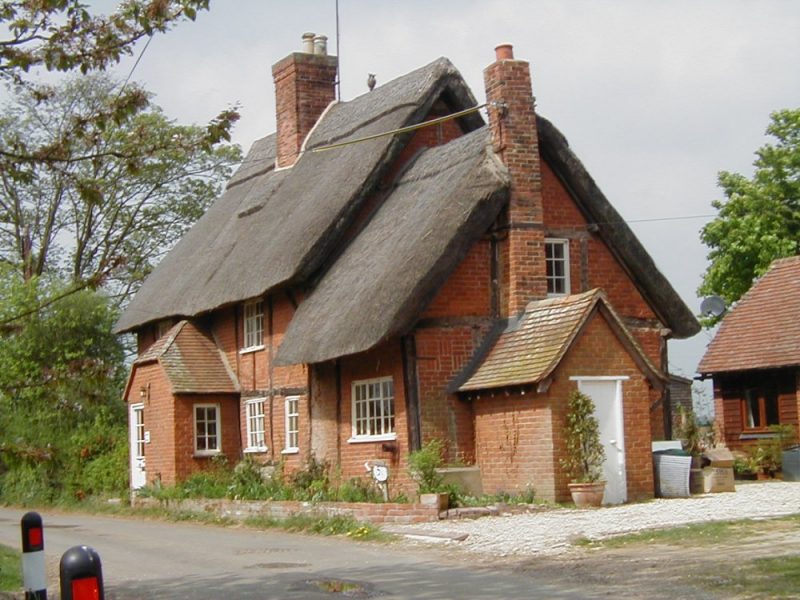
column 713, row 306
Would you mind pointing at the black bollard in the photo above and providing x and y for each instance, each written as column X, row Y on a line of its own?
column 81, row 574
column 33, row 568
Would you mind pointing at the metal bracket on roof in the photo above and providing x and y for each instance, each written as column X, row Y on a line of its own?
column 501, row 107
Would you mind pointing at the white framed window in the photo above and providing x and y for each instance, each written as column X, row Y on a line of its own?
column 556, row 256
column 373, row 410
column 292, row 424
column 253, row 325
column 207, row 428
column 256, row 440
column 163, row 327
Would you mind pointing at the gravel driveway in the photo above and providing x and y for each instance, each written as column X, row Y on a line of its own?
column 553, row 531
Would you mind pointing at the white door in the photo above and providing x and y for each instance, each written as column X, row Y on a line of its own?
column 606, row 393
column 138, row 476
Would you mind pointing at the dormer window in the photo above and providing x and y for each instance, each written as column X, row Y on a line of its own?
column 253, row 325
column 556, row 255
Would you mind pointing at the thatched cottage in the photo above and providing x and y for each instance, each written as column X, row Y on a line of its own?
column 392, row 269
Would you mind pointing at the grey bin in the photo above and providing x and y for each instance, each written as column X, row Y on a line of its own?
column 672, row 468
column 791, row 464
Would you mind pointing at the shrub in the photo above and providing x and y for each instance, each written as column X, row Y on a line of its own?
column 584, row 453
column 423, row 465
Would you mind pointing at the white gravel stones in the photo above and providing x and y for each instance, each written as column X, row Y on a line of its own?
column 553, row 531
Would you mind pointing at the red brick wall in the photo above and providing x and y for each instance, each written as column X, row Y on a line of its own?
column 518, row 438
column 468, row 291
column 304, row 87
column 186, row 462
column 159, row 420
column 442, row 353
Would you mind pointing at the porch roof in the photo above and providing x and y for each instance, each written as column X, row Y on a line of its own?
column 529, row 348
column 191, row 361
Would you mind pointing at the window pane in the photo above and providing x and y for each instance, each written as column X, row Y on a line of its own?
column 771, row 407
column 752, row 416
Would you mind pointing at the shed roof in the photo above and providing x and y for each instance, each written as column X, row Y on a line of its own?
column 529, row 348
column 191, row 361
column 762, row 331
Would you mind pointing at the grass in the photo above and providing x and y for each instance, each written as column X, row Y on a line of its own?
column 321, row 525
column 10, row 570
column 697, row 534
column 760, row 578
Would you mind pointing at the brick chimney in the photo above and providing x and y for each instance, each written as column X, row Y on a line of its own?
column 512, row 121
column 305, row 84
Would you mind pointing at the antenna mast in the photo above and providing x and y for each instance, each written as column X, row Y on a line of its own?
column 338, row 58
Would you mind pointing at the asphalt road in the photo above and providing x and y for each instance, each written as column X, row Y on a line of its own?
column 153, row 559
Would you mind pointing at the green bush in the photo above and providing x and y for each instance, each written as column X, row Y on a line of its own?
column 423, row 465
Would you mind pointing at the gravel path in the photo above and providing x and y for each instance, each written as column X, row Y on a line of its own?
column 553, row 531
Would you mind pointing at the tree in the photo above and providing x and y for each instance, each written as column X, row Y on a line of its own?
column 62, row 429
column 62, row 35
column 108, row 219
column 760, row 219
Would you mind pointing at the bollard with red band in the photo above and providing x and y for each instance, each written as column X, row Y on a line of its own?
column 34, row 577
column 81, row 574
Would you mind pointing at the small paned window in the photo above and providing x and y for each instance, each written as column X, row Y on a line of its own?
column 253, row 324
column 292, row 423
column 206, row 429
column 256, row 440
column 760, row 408
column 556, row 256
column 373, row 409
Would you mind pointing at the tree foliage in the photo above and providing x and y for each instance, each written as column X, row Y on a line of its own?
column 62, row 430
column 110, row 218
column 759, row 220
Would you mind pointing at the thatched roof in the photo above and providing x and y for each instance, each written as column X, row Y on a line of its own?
column 275, row 227
column 656, row 289
column 763, row 330
column 191, row 361
column 378, row 287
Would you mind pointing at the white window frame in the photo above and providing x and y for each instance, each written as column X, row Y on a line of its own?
column 253, row 326
column 255, row 425
column 291, row 430
column 564, row 244
column 218, row 426
column 367, row 403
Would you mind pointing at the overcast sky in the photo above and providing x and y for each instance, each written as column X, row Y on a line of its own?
column 654, row 97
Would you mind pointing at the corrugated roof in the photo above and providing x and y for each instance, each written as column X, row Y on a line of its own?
column 191, row 361
column 531, row 347
column 762, row 331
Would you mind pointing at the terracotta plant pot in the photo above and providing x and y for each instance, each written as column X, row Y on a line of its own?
column 587, row 494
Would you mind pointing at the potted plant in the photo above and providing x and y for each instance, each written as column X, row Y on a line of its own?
column 584, row 456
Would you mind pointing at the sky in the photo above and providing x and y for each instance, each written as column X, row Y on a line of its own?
column 655, row 97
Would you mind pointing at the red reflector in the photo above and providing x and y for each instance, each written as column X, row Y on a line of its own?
column 35, row 536
column 85, row 589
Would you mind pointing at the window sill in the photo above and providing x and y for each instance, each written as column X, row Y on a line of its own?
column 757, row 435
column 290, row 451
column 364, row 439
column 207, row 454
column 251, row 349
column 256, row 450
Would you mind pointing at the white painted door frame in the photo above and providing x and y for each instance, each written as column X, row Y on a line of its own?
column 606, row 392
column 137, row 440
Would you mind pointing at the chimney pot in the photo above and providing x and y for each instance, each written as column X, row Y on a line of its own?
column 321, row 45
column 504, row 52
column 308, row 42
